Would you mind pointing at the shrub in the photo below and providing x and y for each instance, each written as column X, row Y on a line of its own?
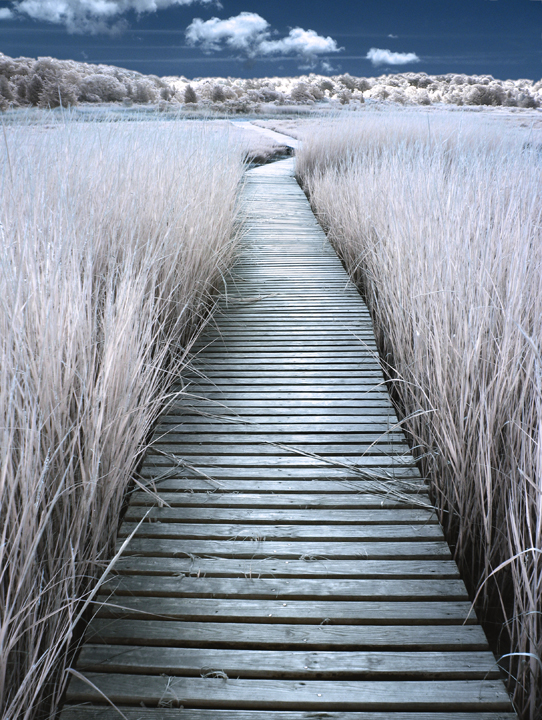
column 190, row 95
column 101, row 88
column 5, row 89
column 217, row 93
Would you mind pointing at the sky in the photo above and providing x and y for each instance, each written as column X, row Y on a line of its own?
column 258, row 38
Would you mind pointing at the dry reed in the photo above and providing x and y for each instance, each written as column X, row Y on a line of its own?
column 438, row 218
column 112, row 238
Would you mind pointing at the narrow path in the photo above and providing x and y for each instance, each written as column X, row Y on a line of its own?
column 295, row 570
column 280, row 138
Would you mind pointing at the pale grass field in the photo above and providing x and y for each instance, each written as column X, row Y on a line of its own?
column 438, row 218
column 112, row 238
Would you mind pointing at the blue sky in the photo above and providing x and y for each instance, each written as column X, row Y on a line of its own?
column 254, row 38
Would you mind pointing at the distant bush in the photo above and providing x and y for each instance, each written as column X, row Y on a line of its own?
column 402, row 88
column 190, row 95
column 101, row 88
column 47, row 82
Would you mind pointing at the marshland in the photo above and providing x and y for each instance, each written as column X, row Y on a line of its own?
column 116, row 237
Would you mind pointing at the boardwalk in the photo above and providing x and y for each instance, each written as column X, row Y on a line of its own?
column 294, row 569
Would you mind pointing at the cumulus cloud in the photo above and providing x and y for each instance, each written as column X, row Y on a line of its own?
column 250, row 33
column 89, row 16
column 242, row 32
column 387, row 57
column 306, row 43
column 6, row 14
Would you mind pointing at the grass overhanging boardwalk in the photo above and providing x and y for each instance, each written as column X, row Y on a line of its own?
column 294, row 569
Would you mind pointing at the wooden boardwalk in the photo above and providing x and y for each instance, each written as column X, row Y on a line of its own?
column 295, row 569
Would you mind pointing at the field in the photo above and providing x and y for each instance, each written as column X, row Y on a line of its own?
column 115, row 236
column 437, row 216
column 113, row 239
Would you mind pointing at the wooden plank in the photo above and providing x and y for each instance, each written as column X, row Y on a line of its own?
column 275, row 635
column 278, row 568
column 401, row 532
column 314, row 393
column 276, row 445
column 368, row 431
column 267, row 486
column 352, row 452
column 294, row 695
column 294, row 460
column 289, row 340
column 258, row 547
column 86, row 712
column 211, row 367
column 378, row 469
column 315, row 516
column 377, row 400
column 291, row 589
column 305, row 612
column 304, row 434
column 272, row 357
column 216, row 499
column 295, row 664
column 292, row 423
column 187, row 410
column 300, row 379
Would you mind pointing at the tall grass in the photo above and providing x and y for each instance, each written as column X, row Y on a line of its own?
column 438, row 218
column 112, row 238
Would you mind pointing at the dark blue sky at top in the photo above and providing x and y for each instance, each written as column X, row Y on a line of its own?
column 498, row 37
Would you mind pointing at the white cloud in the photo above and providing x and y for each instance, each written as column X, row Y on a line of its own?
column 250, row 33
column 90, row 16
column 328, row 67
column 387, row 57
column 306, row 43
column 391, row 35
column 6, row 14
column 242, row 32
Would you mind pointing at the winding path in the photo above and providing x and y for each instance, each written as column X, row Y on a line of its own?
column 295, row 569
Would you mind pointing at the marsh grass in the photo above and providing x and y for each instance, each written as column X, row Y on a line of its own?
column 113, row 237
column 438, row 219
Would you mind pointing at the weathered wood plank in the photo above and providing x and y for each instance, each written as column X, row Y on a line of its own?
column 231, row 433
column 273, row 567
column 315, row 516
column 304, row 612
column 268, row 486
column 256, row 546
column 279, row 394
column 271, row 634
column 247, row 446
column 379, row 417
column 290, row 461
column 371, row 428
column 324, row 471
column 295, row 695
column 88, row 712
column 408, row 533
column 377, row 403
column 253, row 587
column 361, row 501
column 296, row 664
